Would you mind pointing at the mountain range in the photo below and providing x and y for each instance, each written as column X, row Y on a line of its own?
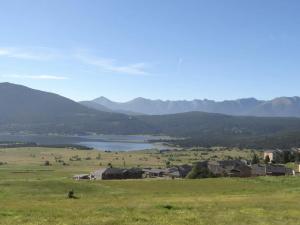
column 278, row 107
column 26, row 110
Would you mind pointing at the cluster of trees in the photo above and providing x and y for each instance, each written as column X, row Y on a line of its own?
column 199, row 172
column 288, row 156
column 279, row 140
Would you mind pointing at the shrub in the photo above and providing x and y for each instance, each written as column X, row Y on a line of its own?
column 98, row 156
column 168, row 207
column 255, row 159
column 71, row 194
column 47, row 163
column 199, row 172
column 267, row 159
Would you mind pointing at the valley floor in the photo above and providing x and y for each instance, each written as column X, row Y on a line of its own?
column 34, row 194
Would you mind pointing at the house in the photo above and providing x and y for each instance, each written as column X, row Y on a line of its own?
column 152, row 172
column 231, row 168
column 133, row 173
column 184, row 170
column 178, row 171
column 274, row 155
column 117, row 174
column 172, row 172
column 270, row 170
column 275, row 170
column 258, row 170
column 82, row 177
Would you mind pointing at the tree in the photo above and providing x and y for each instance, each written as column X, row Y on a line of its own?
column 168, row 164
column 297, row 157
column 199, row 172
column 286, row 156
column 267, row 159
column 47, row 163
column 99, row 156
column 71, row 194
column 255, row 159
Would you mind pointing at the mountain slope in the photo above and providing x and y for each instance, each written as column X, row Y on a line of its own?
column 284, row 106
column 94, row 105
column 100, row 107
column 28, row 110
column 209, row 129
column 25, row 109
column 279, row 107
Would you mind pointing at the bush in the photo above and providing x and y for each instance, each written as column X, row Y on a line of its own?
column 98, row 156
column 47, row 163
column 199, row 172
column 71, row 194
column 255, row 159
column 267, row 159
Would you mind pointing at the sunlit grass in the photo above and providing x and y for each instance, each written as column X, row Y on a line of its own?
column 34, row 194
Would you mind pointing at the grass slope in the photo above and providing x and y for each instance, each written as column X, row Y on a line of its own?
column 34, row 194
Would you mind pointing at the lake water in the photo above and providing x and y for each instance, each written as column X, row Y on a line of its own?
column 99, row 142
column 117, row 146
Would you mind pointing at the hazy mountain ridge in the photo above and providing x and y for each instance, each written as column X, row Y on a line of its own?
column 279, row 107
column 100, row 107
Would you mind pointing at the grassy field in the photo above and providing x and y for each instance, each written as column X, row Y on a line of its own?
column 31, row 193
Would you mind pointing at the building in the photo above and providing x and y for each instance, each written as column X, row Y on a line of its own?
column 231, row 168
column 258, row 170
column 82, row 177
column 152, row 172
column 281, row 156
column 271, row 170
column 117, row 174
column 224, row 168
column 178, row 171
column 184, row 170
column 274, row 155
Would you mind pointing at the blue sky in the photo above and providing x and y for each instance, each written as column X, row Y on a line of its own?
column 171, row 49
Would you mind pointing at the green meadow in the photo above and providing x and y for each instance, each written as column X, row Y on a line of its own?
column 32, row 193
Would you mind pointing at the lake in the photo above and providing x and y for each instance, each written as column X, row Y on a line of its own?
column 117, row 146
column 98, row 142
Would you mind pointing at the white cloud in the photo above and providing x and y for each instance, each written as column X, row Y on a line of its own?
column 44, row 54
column 29, row 53
column 110, row 65
column 35, row 77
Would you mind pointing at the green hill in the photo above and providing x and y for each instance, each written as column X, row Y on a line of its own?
column 208, row 129
column 25, row 109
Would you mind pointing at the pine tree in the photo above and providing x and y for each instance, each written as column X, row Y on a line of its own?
column 267, row 159
column 255, row 159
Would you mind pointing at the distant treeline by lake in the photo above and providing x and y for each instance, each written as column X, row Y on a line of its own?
column 32, row 144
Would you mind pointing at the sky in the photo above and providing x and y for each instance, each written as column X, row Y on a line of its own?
column 170, row 49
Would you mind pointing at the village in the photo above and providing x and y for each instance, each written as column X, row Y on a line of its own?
column 273, row 165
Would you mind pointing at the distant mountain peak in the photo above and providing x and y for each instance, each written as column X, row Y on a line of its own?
column 281, row 106
column 102, row 98
column 139, row 99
